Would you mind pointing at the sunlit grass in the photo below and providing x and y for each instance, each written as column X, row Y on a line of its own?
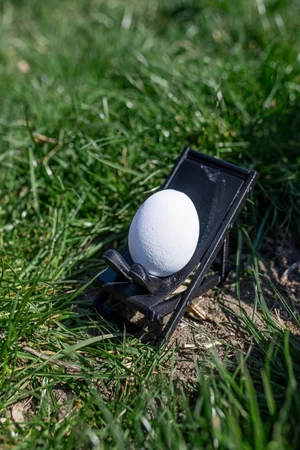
column 97, row 100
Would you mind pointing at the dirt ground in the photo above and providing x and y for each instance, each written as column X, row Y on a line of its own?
column 218, row 326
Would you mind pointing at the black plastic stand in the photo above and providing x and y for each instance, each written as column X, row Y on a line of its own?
column 218, row 190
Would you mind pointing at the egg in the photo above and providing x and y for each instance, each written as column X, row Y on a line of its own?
column 164, row 232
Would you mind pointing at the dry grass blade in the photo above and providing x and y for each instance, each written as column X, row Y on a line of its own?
column 49, row 360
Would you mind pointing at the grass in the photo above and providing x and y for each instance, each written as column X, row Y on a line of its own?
column 97, row 99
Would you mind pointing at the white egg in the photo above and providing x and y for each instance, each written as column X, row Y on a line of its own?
column 164, row 232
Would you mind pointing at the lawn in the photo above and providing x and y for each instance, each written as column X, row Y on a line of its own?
column 97, row 99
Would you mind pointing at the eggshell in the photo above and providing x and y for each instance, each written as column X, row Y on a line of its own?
column 164, row 232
